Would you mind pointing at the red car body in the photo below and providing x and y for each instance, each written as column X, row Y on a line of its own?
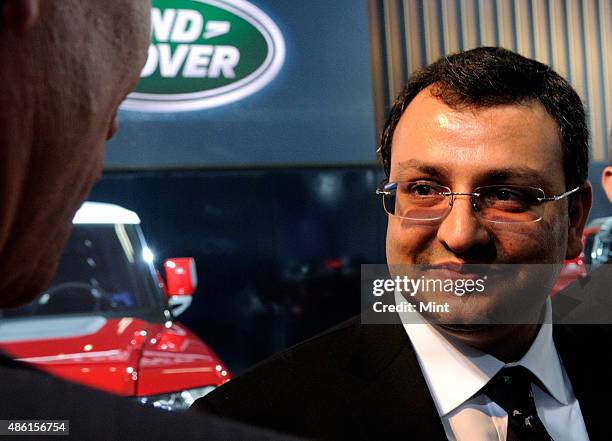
column 103, row 326
column 126, row 356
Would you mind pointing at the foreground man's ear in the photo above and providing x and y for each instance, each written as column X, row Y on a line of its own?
column 20, row 15
column 112, row 127
column 580, row 207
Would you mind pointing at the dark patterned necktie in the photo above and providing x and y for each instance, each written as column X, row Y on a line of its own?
column 511, row 390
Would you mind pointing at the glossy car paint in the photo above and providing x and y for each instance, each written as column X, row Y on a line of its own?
column 127, row 356
column 181, row 276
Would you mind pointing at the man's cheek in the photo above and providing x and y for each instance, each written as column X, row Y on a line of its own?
column 404, row 242
column 392, row 244
column 528, row 244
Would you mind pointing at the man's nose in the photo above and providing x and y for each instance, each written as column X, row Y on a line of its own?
column 462, row 229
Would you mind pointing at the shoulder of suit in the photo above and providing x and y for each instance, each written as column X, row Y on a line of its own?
column 96, row 415
column 586, row 300
column 342, row 359
column 347, row 347
column 289, row 391
column 334, row 346
column 585, row 339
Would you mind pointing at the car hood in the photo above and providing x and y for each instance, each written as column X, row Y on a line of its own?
column 91, row 350
column 126, row 356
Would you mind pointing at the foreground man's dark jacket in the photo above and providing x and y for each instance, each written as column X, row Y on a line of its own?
column 29, row 394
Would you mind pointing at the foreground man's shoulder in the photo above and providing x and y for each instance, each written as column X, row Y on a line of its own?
column 95, row 415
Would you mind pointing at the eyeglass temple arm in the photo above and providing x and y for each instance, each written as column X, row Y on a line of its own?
column 560, row 196
column 383, row 192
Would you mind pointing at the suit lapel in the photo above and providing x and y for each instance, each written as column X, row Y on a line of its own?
column 397, row 402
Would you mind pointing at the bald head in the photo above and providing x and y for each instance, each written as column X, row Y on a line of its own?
column 65, row 66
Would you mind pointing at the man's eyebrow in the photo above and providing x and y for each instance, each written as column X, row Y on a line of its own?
column 499, row 175
column 415, row 165
column 514, row 172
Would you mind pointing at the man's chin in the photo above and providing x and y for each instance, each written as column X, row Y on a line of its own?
column 469, row 313
column 491, row 339
column 464, row 328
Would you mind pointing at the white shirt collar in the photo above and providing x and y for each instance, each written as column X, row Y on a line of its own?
column 455, row 372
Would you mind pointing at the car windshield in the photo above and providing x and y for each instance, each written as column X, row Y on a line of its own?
column 104, row 270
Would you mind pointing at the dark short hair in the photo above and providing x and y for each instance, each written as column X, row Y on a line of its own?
column 490, row 76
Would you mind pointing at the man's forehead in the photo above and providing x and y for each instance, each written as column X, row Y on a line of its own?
column 426, row 105
column 493, row 143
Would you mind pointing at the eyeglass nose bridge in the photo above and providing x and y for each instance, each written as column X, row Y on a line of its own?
column 473, row 198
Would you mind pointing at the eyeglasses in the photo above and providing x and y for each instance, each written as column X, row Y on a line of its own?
column 426, row 201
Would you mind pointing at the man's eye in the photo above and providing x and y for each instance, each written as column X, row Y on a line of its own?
column 508, row 196
column 422, row 190
column 505, row 195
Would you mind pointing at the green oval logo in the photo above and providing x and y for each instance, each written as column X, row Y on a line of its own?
column 206, row 53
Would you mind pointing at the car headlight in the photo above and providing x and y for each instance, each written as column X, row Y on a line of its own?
column 175, row 401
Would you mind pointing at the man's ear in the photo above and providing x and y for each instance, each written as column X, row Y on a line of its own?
column 112, row 127
column 20, row 15
column 606, row 181
column 580, row 206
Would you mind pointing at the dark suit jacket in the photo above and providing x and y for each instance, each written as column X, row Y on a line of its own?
column 586, row 300
column 26, row 394
column 363, row 382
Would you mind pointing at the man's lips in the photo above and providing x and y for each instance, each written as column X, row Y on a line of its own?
column 454, row 270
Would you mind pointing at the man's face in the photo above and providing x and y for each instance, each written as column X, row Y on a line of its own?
column 62, row 78
column 469, row 148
